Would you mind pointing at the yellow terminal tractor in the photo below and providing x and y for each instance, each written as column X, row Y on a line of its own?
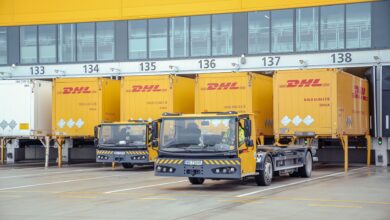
column 225, row 138
column 143, row 99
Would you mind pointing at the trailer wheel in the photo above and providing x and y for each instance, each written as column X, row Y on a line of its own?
column 127, row 165
column 196, row 180
column 305, row 171
column 265, row 176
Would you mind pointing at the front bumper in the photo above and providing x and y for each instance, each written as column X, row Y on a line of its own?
column 201, row 168
column 133, row 157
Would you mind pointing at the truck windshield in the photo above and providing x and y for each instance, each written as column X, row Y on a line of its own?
column 198, row 134
column 123, row 135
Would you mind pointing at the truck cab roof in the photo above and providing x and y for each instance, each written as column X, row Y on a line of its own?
column 206, row 115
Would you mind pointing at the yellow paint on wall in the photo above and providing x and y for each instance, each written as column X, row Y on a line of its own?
column 27, row 12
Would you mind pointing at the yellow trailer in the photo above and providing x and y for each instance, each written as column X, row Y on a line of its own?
column 147, row 97
column 143, row 99
column 320, row 103
column 79, row 104
column 242, row 92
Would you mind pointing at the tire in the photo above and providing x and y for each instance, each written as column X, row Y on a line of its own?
column 127, row 165
column 305, row 171
column 265, row 176
column 196, row 180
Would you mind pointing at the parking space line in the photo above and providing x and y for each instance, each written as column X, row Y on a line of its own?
column 243, row 201
column 299, row 182
column 143, row 187
column 11, row 196
column 170, row 199
column 77, row 197
column 326, row 200
column 49, row 173
column 64, row 181
column 335, row 206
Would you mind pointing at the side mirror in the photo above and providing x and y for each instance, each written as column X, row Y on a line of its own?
column 155, row 143
column 96, row 134
column 249, row 142
column 154, row 130
column 154, row 134
column 248, row 128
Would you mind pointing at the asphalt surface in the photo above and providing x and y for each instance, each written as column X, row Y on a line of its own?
column 94, row 191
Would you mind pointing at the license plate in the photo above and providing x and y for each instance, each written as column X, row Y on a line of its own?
column 193, row 162
column 119, row 153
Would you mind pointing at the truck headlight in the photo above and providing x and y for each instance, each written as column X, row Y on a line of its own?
column 224, row 170
column 164, row 169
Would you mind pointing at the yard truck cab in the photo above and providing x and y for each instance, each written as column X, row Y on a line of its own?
column 143, row 98
column 221, row 145
column 127, row 143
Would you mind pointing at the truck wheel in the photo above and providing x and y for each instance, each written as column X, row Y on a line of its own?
column 127, row 165
column 196, row 180
column 265, row 176
column 305, row 171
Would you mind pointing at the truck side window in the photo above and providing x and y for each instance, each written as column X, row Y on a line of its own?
column 241, row 133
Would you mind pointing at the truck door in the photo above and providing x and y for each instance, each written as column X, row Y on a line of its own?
column 247, row 154
column 152, row 150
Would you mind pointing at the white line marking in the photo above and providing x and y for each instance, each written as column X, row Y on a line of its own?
column 64, row 181
column 299, row 182
column 143, row 187
column 50, row 173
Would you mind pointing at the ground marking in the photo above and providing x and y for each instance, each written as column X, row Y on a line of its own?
column 170, row 199
column 48, row 173
column 325, row 200
column 297, row 183
column 241, row 201
column 78, row 197
column 335, row 206
column 64, row 181
column 143, row 187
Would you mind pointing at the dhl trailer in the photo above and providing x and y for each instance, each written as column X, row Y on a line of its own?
column 143, row 99
column 315, row 104
column 80, row 104
column 224, row 139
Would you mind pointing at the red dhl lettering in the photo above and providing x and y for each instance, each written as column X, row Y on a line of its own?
column 145, row 88
column 292, row 83
column 76, row 90
column 222, row 86
column 359, row 93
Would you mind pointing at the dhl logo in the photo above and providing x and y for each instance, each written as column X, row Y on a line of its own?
column 104, row 152
column 303, row 83
column 360, row 93
column 146, row 88
column 222, row 86
column 137, row 152
column 76, row 90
